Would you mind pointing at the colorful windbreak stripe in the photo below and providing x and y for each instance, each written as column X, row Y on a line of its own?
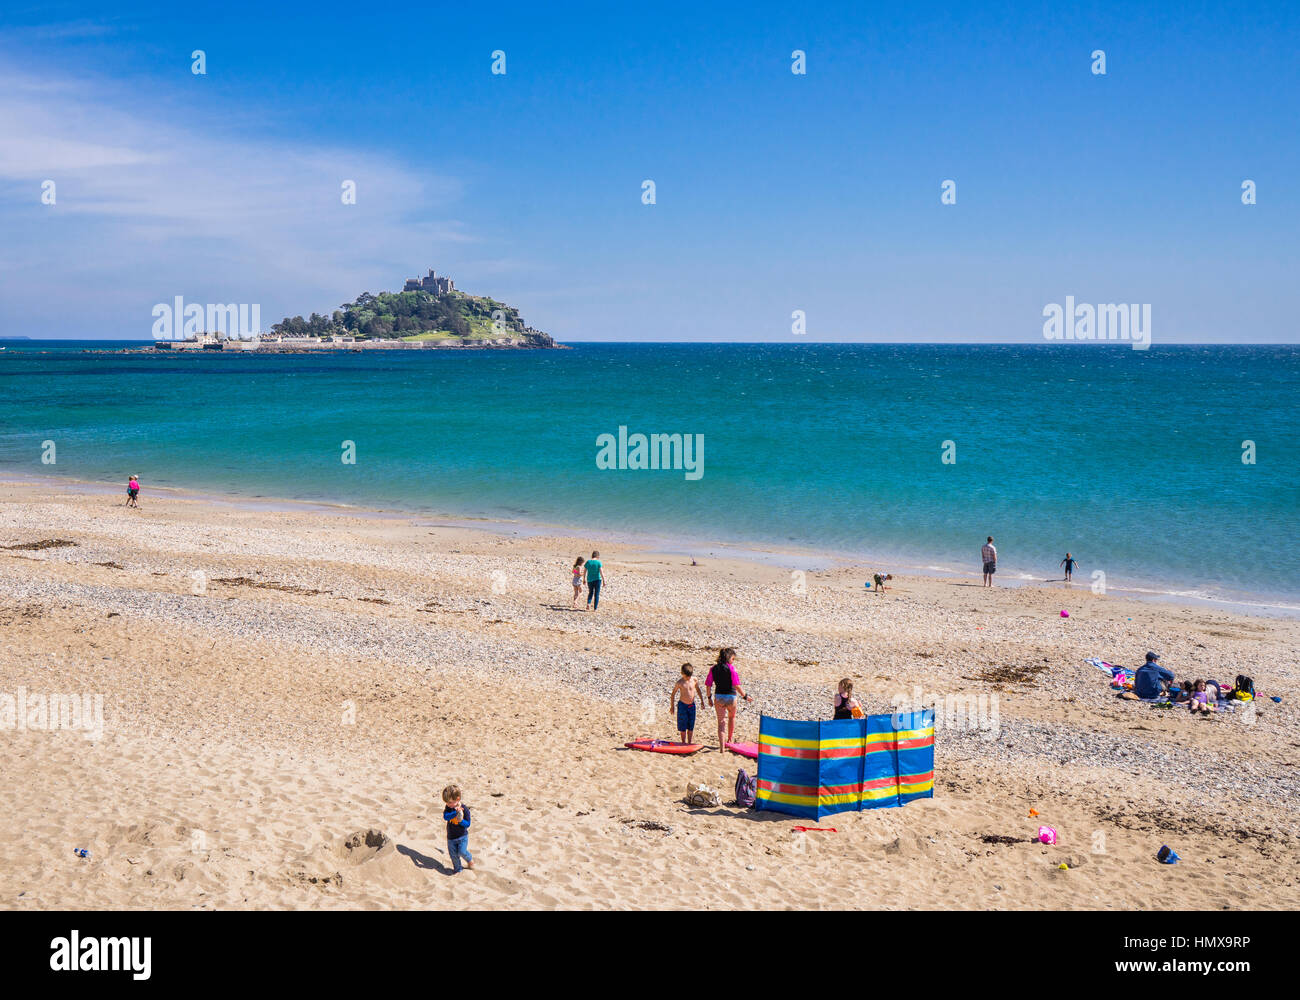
column 813, row 769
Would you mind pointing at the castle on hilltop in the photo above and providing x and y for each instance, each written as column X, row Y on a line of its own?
column 430, row 283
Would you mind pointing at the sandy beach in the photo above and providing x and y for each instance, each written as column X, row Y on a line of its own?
column 285, row 693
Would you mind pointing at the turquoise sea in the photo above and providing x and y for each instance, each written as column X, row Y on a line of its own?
column 1132, row 460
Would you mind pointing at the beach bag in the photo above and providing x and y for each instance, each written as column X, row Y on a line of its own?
column 746, row 789
column 1244, row 688
column 701, row 796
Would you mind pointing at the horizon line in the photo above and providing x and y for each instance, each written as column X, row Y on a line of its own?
column 797, row 343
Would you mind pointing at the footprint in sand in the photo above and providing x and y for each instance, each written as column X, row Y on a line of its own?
column 496, row 883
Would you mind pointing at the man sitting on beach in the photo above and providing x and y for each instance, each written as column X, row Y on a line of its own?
column 990, row 555
column 1151, row 679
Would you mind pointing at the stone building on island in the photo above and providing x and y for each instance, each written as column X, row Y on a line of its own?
column 431, row 283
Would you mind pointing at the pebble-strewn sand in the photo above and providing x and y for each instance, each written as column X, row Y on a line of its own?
column 334, row 672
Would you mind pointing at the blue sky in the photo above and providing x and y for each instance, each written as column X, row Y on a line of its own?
column 775, row 192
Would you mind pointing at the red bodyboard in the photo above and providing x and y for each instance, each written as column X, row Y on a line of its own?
column 664, row 746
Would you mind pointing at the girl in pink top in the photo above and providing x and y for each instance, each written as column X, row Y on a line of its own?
column 724, row 677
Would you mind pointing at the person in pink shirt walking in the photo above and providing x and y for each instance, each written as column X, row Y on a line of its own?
column 724, row 677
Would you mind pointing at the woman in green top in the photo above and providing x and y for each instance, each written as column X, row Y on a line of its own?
column 594, row 580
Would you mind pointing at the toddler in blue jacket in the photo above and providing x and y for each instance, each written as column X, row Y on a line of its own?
column 457, row 816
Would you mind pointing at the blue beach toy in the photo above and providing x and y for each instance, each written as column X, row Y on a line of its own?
column 1166, row 856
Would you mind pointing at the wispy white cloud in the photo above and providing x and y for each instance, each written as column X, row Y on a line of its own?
column 153, row 201
column 67, row 30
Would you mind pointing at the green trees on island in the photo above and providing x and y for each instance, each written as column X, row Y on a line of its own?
column 412, row 314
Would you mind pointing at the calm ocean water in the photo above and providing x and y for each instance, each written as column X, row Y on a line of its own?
column 1132, row 460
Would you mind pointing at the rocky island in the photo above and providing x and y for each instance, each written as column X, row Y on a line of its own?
column 429, row 311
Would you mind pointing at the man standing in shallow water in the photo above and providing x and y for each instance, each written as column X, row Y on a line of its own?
column 990, row 555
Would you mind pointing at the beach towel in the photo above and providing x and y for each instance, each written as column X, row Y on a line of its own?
column 1158, row 701
column 1120, row 677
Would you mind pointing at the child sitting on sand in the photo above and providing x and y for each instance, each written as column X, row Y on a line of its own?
column 457, row 817
column 684, row 695
column 846, row 706
column 1200, row 701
